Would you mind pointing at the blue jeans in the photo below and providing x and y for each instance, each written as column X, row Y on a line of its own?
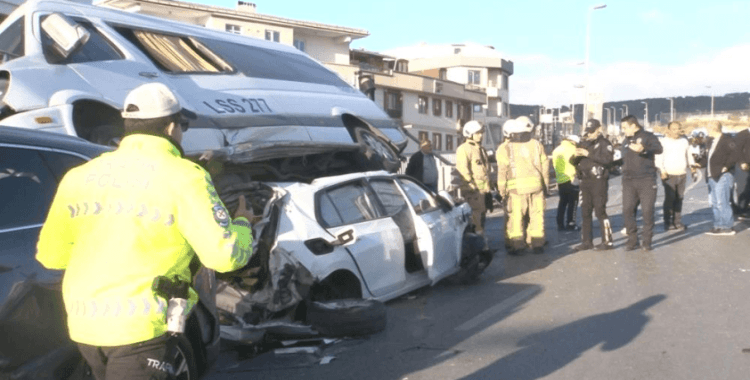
column 720, row 192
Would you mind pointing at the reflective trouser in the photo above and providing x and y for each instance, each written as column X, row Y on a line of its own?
column 478, row 210
column 519, row 206
column 594, row 194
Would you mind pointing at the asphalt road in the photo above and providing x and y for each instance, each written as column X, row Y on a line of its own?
column 677, row 312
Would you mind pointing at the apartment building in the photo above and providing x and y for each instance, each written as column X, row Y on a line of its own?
column 326, row 43
column 477, row 66
column 428, row 108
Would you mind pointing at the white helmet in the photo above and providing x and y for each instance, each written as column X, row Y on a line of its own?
column 472, row 127
column 573, row 138
column 509, row 127
column 524, row 124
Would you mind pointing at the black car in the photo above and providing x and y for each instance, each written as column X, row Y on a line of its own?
column 34, row 341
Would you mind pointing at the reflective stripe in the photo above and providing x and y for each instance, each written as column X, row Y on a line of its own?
column 91, row 309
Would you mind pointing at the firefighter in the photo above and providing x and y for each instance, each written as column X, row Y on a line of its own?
column 523, row 180
column 473, row 166
column 124, row 222
column 592, row 161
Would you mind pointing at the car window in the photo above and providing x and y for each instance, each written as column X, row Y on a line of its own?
column 60, row 163
column 389, row 195
column 97, row 48
column 328, row 212
column 353, row 203
column 12, row 41
column 418, row 197
column 26, row 188
column 175, row 54
column 257, row 62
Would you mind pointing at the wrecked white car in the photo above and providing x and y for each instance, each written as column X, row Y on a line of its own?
column 67, row 67
column 363, row 236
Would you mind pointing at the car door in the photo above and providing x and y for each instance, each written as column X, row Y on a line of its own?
column 31, row 309
column 438, row 236
column 378, row 247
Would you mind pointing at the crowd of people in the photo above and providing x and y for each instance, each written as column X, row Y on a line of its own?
column 583, row 165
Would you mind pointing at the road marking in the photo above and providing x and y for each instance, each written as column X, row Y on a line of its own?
column 499, row 308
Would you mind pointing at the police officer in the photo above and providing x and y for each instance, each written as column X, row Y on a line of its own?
column 523, row 180
column 592, row 160
column 567, row 183
column 131, row 216
column 638, row 180
column 473, row 167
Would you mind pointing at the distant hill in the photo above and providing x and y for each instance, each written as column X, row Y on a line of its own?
column 734, row 102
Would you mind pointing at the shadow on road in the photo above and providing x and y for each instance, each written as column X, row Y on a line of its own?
column 548, row 351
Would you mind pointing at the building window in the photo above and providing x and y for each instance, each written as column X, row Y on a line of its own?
column 462, row 114
column 477, row 108
column 422, row 104
column 504, row 84
column 424, row 136
column 443, row 74
column 299, row 44
column 449, row 143
column 448, row 108
column 273, row 35
column 475, row 77
column 392, row 100
column 437, row 141
column 437, row 107
column 236, row 29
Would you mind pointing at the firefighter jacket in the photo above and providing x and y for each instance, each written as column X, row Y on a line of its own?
column 125, row 218
column 597, row 164
column 473, row 166
column 561, row 159
column 522, row 168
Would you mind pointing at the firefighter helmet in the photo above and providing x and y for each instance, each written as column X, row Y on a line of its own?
column 472, row 127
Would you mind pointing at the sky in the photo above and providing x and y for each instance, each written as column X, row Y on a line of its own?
column 638, row 49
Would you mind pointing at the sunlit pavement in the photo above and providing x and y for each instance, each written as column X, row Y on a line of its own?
column 677, row 312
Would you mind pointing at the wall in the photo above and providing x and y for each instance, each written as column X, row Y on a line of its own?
column 257, row 30
column 324, row 49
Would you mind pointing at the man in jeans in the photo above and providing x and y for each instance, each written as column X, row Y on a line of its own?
column 721, row 161
column 638, row 180
column 673, row 164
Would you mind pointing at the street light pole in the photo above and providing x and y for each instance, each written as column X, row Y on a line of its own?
column 588, row 43
column 645, row 121
column 671, row 110
column 614, row 115
column 712, row 101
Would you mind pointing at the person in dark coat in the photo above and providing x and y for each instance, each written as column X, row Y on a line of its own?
column 423, row 166
column 722, row 158
column 592, row 160
column 741, row 175
column 638, row 180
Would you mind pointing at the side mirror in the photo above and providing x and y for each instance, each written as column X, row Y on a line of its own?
column 447, row 198
column 424, row 204
column 67, row 36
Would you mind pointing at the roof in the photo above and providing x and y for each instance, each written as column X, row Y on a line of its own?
column 236, row 14
column 53, row 140
column 424, row 56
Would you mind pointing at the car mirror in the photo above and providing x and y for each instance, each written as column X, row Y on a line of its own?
column 67, row 35
column 344, row 238
column 424, row 204
column 446, row 198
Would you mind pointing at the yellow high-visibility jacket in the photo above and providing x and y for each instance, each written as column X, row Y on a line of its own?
column 473, row 166
column 564, row 170
column 121, row 220
column 522, row 168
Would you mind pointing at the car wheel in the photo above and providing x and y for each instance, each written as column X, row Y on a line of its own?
column 185, row 366
column 379, row 153
column 108, row 135
column 349, row 317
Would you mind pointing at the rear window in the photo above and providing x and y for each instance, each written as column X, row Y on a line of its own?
column 176, row 54
column 257, row 62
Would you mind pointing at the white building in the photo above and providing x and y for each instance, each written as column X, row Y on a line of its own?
column 428, row 108
column 326, row 43
column 478, row 66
